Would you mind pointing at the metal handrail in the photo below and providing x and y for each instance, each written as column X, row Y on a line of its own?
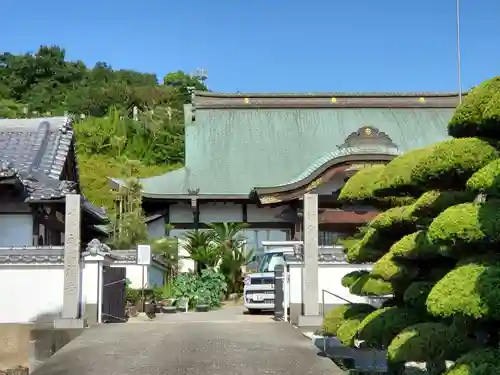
column 323, row 291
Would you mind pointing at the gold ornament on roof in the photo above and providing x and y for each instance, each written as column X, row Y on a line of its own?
column 246, row 100
column 269, row 199
column 368, row 131
column 421, row 100
column 333, row 100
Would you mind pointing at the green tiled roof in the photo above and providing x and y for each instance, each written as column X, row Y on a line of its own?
column 230, row 151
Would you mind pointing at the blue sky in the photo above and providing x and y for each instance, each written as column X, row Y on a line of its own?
column 272, row 45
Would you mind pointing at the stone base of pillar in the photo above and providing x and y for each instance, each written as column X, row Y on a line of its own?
column 68, row 323
column 310, row 321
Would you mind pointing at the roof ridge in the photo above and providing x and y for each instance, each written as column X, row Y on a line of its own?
column 373, row 94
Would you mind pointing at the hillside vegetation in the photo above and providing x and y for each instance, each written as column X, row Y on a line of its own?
column 102, row 99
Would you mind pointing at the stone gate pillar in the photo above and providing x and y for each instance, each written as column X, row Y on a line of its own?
column 310, row 293
column 71, row 315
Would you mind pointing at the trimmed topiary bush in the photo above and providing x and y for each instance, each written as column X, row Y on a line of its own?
column 395, row 219
column 396, row 178
column 428, row 341
column 380, row 327
column 453, row 162
column 352, row 277
column 359, row 187
column 348, row 329
column 414, row 246
column 416, row 294
column 388, row 269
column 470, row 290
column 477, row 362
column 371, row 286
column 366, row 250
column 433, row 202
column 486, row 180
column 469, row 226
column 336, row 316
column 479, row 113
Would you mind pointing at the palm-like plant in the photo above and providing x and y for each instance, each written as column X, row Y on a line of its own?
column 230, row 243
column 202, row 249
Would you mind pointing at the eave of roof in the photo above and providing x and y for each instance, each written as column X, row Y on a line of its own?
column 211, row 100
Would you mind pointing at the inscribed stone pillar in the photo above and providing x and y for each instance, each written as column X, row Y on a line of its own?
column 71, row 312
column 310, row 275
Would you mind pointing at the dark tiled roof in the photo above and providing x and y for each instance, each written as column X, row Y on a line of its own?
column 34, row 151
column 326, row 254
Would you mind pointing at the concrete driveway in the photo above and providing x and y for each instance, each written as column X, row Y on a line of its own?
column 213, row 344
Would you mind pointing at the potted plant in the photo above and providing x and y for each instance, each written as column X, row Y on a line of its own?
column 203, row 301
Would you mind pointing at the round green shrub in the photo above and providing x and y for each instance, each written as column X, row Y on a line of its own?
column 388, row 269
column 396, row 179
column 351, row 277
column 336, row 316
column 477, row 362
column 474, row 225
column 346, row 333
column 416, row 294
column 413, row 246
column 479, row 113
column 428, row 342
column 366, row 250
column 370, row 286
column 433, row 202
column 395, row 218
column 359, row 187
column 452, row 162
column 470, row 290
column 486, row 180
column 380, row 327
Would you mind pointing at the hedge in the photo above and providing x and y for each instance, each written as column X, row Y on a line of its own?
column 428, row 341
column 486, row 180
column 336, row 316
column 360, row 186
column 416, row 294
column 413, row 246
column 470, row 290
column 380, row 327
column 477, row 362
column 394, row 218
column 452, row 162
column 479, row 113
column 396, row 179
column 433, row 202
column 351, row 277
column 388, row 269
column 348, row 329
column 467, row 225
column 371, row 286
column 367, row 249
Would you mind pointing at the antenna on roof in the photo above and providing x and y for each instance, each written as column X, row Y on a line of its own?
column 459, row 68
column 200, row 74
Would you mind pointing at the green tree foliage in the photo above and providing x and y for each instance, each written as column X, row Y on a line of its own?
column 439, row 254
column 103, row 101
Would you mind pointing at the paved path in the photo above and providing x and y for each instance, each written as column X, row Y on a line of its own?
column 224, row 342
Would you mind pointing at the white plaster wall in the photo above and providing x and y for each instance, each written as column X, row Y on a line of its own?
column 16, row 230
column 221, row 213
column 329, row 278
column 90, row 282
column 133, row 272
column 156, row 228
column 257, row 214
column 30, row 291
